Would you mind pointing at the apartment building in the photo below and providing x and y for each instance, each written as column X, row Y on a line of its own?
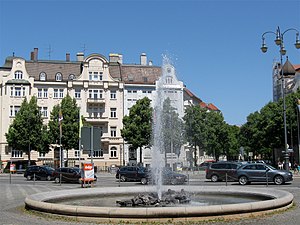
column 105, row 90
column 88, row 80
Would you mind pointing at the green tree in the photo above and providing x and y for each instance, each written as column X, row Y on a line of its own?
column 69, row 124
column 195, row 129
column 172, row 129
column 217, row 134
column 26, row 131
column 137, row 126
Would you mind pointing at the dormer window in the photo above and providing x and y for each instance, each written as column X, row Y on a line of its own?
column 71, row 77
column 43, row 76
column 58, row 77
column 18, row 75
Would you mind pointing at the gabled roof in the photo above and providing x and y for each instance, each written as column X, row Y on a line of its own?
column 189, row 93
column 297, row 67
column 288, row 69
column 209, row 106
column 135, row 74
column 34, row 68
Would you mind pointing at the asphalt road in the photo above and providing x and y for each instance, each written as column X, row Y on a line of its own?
column 14, row 189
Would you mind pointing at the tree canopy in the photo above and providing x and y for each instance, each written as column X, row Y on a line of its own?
column 137, row 126
column 26, row 131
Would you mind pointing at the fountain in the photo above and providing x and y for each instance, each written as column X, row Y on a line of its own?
column 76, row 202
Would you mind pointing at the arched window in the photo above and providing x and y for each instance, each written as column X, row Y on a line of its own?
column 18, row 75
column 113, row 152
column 71, row 77
column 43, row 76
column 58, row 77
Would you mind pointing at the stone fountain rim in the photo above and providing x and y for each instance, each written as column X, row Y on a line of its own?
column 39, row 202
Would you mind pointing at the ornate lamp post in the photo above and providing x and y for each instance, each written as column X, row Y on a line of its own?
column 279, row 41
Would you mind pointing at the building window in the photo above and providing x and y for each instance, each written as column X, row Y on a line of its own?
column 113, row 94
column 14, row 110
column 76, row 153
column 17, row 91
column 42, row 93
column 42, row 154
column 113, row 112
column 96, row 94
column 113, row 131
column 44, row 111
column 95, row 76
column 18, row 75
column 43, row 76
column 77, row 93
column 97, row 153
column 71, row 77
column 113, row 152
column 58, row 77
column 45, row 92
column 16, row 154
column 58, row 93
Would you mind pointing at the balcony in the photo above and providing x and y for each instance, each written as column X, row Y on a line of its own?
column 99, row 101
column 97, row 119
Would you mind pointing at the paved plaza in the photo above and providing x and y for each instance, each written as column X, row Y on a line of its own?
column 13, row 194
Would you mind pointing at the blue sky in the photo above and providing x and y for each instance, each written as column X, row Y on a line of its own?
column 214, row 45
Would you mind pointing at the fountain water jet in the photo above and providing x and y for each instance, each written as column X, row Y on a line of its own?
column 166, row 87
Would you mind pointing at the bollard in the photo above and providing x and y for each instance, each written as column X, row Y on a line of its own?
column 267, row 178
column 10, row 177
column 226, row 178
column 34, row 179
column 60, row 179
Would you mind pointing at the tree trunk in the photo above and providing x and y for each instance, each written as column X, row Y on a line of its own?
column 141, row 155
column 29, row 157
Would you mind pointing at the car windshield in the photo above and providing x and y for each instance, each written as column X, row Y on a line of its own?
column 271, row 167
column 48, row 168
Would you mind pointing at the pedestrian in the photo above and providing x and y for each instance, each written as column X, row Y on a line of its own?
column 296, row 168
column 280, row 165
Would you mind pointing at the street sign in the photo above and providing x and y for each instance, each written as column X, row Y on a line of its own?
column 86, row 138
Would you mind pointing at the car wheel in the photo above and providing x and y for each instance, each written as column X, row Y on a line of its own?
column 278, row 180
column 28, row 177
column 214, row 178
column 48, row 178
column 123, row 178
column 56, row 180
column 243, row 180
column 144, row 181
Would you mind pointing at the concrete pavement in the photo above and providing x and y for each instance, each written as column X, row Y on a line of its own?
column 12, row 205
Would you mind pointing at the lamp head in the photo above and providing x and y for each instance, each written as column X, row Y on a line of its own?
column 264, row 48
column 297, row 44
column 282, row 50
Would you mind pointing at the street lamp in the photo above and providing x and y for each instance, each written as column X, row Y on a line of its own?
column 282, row 51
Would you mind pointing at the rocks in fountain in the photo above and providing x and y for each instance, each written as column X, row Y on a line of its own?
column 151, row 199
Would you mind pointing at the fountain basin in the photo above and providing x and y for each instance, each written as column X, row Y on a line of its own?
column 45, row 202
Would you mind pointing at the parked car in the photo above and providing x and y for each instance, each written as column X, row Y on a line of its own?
column 260, row 172
column 132, row 173
column 171, row 177
column 39, row 173
column 219, row 171
column 168, row 177
column 68, row 174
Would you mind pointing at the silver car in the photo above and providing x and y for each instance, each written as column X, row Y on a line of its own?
column 260, row 172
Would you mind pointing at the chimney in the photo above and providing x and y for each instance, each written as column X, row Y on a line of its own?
column 32, row 56
column 150, row 63
column 35, row 56
column 143, row 59
column 68, row 57
column 80, row 56
column 114, row 57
